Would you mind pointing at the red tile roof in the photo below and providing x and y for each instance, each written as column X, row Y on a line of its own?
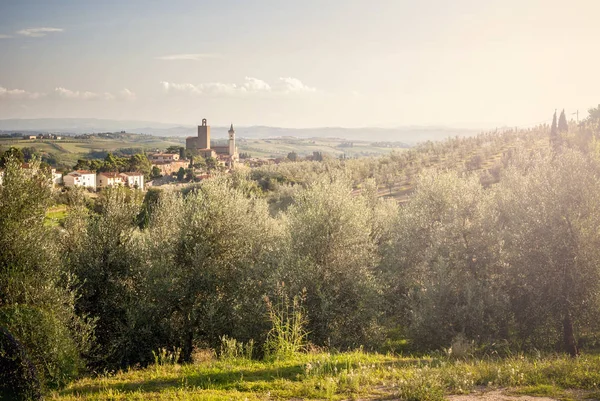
column 110, row 174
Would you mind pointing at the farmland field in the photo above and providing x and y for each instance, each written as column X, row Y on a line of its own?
column 69, row 149
column 280, row 147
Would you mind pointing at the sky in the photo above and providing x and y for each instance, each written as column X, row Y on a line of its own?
column 309, row 63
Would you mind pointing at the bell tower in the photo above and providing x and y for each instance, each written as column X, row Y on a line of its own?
column 231, row 141
column 204, row 135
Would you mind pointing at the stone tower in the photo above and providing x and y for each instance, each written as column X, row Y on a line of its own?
column 231, row 141
column 204, row 135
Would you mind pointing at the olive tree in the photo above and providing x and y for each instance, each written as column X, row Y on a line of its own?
column 222, row 264
column 100, row 248
column 549, row 208
column 332, row 253
column 441, row 272
column 36, row 294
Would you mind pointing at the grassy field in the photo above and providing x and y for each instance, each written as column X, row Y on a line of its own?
column 56, row 215
column 280, row 147
column 346, row 376
column 70, row 149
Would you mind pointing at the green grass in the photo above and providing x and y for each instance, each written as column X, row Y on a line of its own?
column 56, row 216
column 344, row 376
column 542, row 390
column 71, row 149
column 80, row 147
column 280, row 147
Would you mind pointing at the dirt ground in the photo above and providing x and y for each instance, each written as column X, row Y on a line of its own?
column 496, row 395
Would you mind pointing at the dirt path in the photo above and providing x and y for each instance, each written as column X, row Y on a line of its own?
column 496, row 395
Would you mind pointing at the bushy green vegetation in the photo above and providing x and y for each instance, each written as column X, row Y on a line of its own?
column 137, row 162
column 257, row 268
column 36, row 301
column 484, row 155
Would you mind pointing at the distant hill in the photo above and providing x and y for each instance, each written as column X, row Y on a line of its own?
column 75, row 125
column 408, row 134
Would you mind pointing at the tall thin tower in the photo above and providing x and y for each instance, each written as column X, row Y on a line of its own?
column 204, row 135
column 231, row 141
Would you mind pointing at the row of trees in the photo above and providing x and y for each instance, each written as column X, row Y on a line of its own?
column 487, row 154
column 137, row 162
column 140, row 162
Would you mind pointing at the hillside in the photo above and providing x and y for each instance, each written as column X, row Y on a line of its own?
column 70, row 148
column 485, row 155
column 409, row 134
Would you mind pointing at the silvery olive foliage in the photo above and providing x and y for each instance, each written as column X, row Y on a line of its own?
column 36, row 294
column 507, row 256
column 332, row 240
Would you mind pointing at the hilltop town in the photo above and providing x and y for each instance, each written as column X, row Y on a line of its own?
column 190, row 161
column 137, row 161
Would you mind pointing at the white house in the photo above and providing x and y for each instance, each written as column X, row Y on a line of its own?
column 133, row 180
column 80, row 178
column 109, row 179
column 57, row 178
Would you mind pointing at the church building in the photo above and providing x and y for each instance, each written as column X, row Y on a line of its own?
column 200, row 145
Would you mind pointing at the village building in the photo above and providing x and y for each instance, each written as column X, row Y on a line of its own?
column 109, row 179
column 168, row 163
column 80, row 178
column 164, row 157
column 168, row 168
column 129, row 179
column 57, row 178
column 200, row 145
column 133, row 180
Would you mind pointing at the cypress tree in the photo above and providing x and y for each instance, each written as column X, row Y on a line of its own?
column 562, row 122
column 554, row 134
column 554, row 128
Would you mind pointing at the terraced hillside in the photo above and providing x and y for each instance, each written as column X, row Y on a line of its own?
column 395, row 172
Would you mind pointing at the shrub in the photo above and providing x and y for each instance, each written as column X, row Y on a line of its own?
column 461, row 347
column 234, row 349
column 166, row 357
column 49, row 343
column 288, row 334
column 18, row 376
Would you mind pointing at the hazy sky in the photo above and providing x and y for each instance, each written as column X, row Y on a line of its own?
column 300, row 63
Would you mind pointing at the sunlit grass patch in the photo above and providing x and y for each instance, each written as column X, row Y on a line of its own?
column 56, row 216
column 345, row 376
column 542, row 390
